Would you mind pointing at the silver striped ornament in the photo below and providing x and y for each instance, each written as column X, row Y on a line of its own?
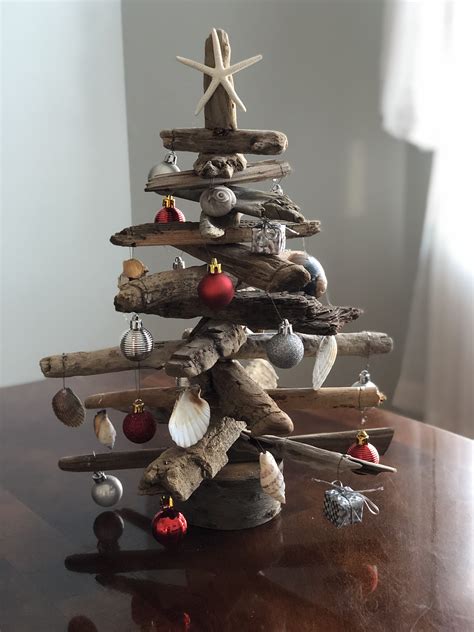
column 137, row 342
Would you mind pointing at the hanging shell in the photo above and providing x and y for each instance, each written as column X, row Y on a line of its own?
column 68, row 408
column 104, row 429
column 217, row 201
column 190, row 418
column 134, row 268
column 325, row 358
column 271, row 478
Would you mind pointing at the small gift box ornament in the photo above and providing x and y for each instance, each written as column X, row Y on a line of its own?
column 344, row 506
column 268, row 238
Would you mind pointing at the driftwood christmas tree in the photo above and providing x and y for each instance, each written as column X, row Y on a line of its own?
column 215, row 476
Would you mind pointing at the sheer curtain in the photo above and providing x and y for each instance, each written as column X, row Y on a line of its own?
column 428, row 100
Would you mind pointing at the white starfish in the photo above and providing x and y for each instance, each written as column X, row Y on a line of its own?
column 220, row 74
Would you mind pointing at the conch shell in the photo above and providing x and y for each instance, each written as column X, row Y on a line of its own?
column 68, row 408
column 190, row 418
column 271, row 478
column 134, row 268
column 217, row 201
column 325, row 358
column 104, row 429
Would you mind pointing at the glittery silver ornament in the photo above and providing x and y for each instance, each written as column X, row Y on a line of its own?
column 137, row 342
column 268, row 238
column 167, row 166
column 364, row 380
column 106, row 489
column 285, row 349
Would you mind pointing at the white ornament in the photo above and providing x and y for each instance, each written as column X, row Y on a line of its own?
column 106, row 489
column 271, row 478
column 217, row 201
column 220, row 74
column 189, row 419
column 325, row 358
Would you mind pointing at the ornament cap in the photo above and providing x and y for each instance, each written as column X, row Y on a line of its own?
column 168, row 201
column 99, row 477
column 285, row 327
column 214, row 267
column 170, row 158
column 138, row 406
column 166, row 502
column 364, row 377
column 136, row 323
column 178, row 263
column 362, row 437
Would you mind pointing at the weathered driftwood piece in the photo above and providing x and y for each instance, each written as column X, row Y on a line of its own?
column 262, row 372
column 288, row 399
column 214, row 341
column 225, row 141
column 242, row 451
column 192, row 233
column 208, row 230
column 219, row 166
column 254, row 172
column 220, row 111
column 111, row 360
column 237, row 391
column 271, row 273
column 181, row 471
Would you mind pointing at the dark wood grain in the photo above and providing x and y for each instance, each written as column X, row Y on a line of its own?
column 407, row 569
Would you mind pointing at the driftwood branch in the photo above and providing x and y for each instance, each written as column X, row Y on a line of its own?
column 262, row 372
column 179, row 234
column 219, row 166
column 225, row 141
column 220, row 111
column 181, row 471
column 255, row 172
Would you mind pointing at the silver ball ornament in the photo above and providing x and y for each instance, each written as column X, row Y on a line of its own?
column 106, row 489
column 285, row 349
column 217, row 201
column 137, row 342
column 167, row 166
column 364, row 380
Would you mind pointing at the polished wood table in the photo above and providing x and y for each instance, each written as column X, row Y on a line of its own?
column 410, row 568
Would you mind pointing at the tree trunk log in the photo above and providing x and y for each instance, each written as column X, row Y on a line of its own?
column 225, row 141
column 181, row 471
column 219, row 166
column 220, row 111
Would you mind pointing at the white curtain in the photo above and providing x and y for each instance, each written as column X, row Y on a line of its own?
column 428, row 100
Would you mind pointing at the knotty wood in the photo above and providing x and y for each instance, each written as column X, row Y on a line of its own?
column 179, row 234
column 219, row 166
column 254, row 172
column 262, row 372
column 180, row 471
column 225, row 141
column 220, row 111
column 111, row 360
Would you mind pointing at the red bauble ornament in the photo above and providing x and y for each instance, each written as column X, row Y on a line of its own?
column 139, row 426
column 364, row 450
column 169, row 213
column 216, row 289
column 168, row 526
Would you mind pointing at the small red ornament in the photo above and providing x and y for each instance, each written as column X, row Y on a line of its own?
column 168, row 526
column 216, row 289
column 362, row 449
column 139, row 425
column 169, row 213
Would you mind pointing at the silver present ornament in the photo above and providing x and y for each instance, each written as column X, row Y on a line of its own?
column 343, row 506
column 268, row 238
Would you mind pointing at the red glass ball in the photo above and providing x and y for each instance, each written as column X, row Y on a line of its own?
column 367, row 452
column 139, row 427
column 169, row 526
column 216, row 290
column 167, row 215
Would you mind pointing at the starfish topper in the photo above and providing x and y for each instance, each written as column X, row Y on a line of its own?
column 220, row 74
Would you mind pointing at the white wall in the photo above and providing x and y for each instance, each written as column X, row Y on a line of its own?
column 65, row 180
column 319, row 83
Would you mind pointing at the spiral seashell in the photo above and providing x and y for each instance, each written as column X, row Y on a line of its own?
column 134, row 268
column 217, row 201
column 68, row 408
column 190, row 418
column 325, row 358
column 271, row 478
column 104, row 429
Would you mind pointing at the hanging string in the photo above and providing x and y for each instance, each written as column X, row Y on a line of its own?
column 64, row 370
column 137, row 380
column 274, row 305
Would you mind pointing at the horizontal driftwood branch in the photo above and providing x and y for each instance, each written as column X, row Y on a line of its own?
column 225, row 141
column 239, row 451
column 288, row 399
column 255, row 172
column 111, row 360
column 179, row 234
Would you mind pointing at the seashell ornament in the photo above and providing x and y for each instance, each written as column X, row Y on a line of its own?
column 104, row 429
column 190, row 418
column 168, row 165
column 134, row 268
column 325, row 358
column 68, row 408
column 271, row 478
column 217, row 201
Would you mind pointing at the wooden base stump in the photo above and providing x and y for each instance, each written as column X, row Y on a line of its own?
column 233, row 499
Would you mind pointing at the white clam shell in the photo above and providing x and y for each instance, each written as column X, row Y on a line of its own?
column 217, row 201
column 104, row 429
column 325, row 358
column 190, row 418
column 271, row 478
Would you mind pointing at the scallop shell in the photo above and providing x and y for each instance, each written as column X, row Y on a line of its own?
column 325, row 358
column 68, row 408
column 189, row 420
column 217, row 201
column 104, row 429
column 271, row 478
column 134, row 268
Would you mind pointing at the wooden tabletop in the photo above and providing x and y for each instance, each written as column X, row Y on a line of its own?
column 409, row 568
